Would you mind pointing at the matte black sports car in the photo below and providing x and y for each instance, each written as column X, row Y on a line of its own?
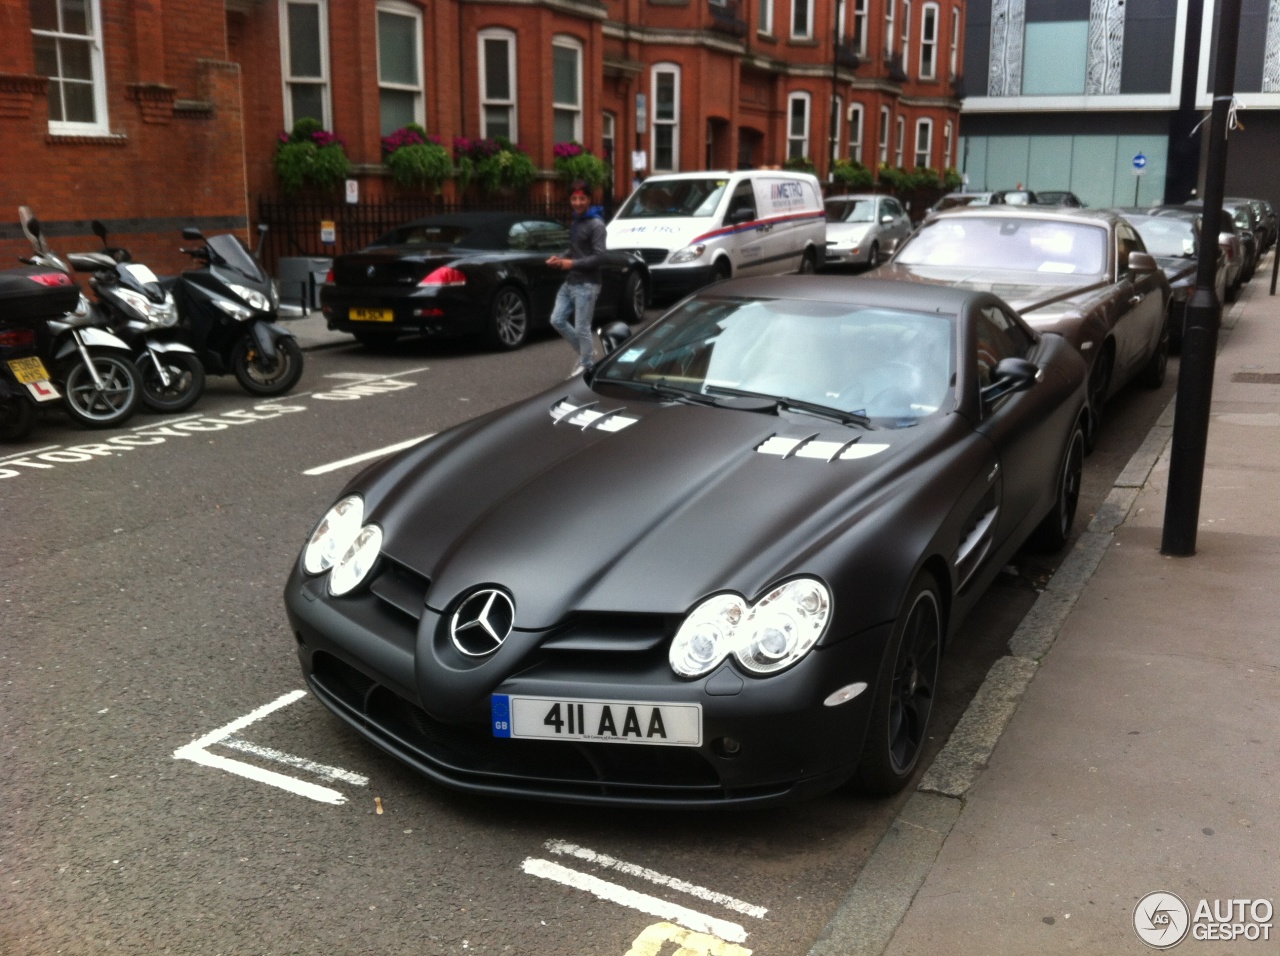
column 471, row 273
column 720, row 571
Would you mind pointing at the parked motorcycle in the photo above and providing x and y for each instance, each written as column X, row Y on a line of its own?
column 227, row 309
column 29, row 296
column 100, row 386
column 145, row 316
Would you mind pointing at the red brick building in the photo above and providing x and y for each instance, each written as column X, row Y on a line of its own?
column 151, row 114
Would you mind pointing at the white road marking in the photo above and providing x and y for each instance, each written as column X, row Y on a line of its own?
column 196, row 752
column 631, row 869
column 690, row 919
column 356, row 459
column 34, row 451
column 301, row 763
column 366, row 378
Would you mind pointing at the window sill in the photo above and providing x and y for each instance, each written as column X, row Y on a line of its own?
column 62, row 138
column 802, row 41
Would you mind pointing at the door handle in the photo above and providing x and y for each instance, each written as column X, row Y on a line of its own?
column 1135, row 299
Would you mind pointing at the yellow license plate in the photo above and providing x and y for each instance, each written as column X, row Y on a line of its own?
column 371, row 315
column 28, row 370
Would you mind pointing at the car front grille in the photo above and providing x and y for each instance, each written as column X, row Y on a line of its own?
column 651, row 256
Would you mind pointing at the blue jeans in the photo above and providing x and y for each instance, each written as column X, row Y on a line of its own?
column 580, row 299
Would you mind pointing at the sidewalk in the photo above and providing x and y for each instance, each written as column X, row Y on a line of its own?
column 1143, row 754
column 312, row 333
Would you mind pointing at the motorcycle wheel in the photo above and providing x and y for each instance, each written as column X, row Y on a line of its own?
column 186, row 381
column 17, row 418
column 118, row 399
column 258, row 375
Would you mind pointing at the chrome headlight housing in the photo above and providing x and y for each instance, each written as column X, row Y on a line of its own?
column 765, row 637
column 688, row 253
column 334, row 534
column 160, row 314
column 357, row 561
column 256, row 299
column 232, row 308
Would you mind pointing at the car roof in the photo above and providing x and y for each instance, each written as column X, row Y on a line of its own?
column 1101, row 217
column 474, row 220
column 852, row 290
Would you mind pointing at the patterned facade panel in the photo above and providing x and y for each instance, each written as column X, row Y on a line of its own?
column 1271, row 54
column 1008, row 23
column 1106, row 47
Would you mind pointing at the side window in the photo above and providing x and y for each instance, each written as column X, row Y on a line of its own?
column 744, row 197
column 1127, row 241
column 891, row 208
column 999, row 337
column 538, row 236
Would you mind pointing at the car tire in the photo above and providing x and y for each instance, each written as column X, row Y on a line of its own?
column 1052, row 533
column 186, row 382
column 904, row 693
column 17, row 418
column 722, row 270
column 1099, row 386
column 508, row 326
column 1152, row 374
column 873, row 255
column 634, row 298
column 808, row 263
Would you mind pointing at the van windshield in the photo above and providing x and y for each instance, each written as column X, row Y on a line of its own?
column 674, row 199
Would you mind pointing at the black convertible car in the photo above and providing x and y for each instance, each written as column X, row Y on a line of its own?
column 469, row 273
column 721, row 571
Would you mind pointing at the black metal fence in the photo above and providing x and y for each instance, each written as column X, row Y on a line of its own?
column 294, row 226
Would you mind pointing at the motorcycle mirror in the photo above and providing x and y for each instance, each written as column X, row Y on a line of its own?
column 99, row 230
column 262, row 235
column 33, row 227
column 191, row 232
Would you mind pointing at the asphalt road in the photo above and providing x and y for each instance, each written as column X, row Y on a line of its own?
column 154, row 803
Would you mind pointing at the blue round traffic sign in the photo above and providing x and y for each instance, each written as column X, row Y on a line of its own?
column 1140, row 161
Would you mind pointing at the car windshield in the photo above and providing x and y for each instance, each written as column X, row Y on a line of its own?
column 1165, row 236
column 1020, row 244
column 674, row 199
column 888, row 364
column 962, row 199
column 851, row 210
column 431, row 234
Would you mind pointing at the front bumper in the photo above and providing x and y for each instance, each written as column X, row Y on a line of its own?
column 675, row 282
column 378, row 669
column 445, row 312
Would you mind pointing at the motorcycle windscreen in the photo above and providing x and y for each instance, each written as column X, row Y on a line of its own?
column 233, row 253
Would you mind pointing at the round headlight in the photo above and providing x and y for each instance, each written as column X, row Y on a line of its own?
column 333, row 535
column 357, row 561
column 783, row 626
column 706, row 636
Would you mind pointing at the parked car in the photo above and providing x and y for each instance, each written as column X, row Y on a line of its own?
column 1240, row 218
column 1059, row 197
column 864, row 229
column 953, row 200
column 1265, row 217
column 696, row 228
column 1083, row 273
column 470, row 273
column 720, row 570
column 1175, row 243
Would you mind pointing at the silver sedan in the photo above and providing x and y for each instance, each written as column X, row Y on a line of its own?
column 864, row 229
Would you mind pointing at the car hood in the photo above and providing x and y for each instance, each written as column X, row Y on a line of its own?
column 673, row 233
column 847, row 231
column 577, row 502
column 1023, row 291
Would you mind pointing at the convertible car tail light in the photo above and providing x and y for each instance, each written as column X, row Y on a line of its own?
column 328, row 278
column 445, row 276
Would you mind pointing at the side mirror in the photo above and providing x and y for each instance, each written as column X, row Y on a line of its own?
column 613, row 335
column 1142, row 262
column 1011, row 375
column 191, row 232
column 99, row 230
column 886, row 218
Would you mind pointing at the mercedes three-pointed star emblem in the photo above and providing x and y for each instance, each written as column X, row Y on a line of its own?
column 482, row 622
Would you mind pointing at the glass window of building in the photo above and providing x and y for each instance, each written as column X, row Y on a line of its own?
column 855, row 132
column 566, row 90
column 798, row 126
column 666, row 118
column 924, row 142
column 498, row 84
column 67, row 37
column 400, row 98
column 929, row 41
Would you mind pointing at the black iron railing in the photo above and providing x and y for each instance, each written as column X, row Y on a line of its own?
column 726, row 17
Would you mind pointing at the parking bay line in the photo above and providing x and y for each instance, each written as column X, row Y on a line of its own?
column 612, row 892
column 197, row 752
column 366, row 456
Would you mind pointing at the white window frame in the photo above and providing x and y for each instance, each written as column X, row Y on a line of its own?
column 660, row 69
column 901, row 144
column 486, row 100
column 802, row 139
column 906, row 35
column 955, row 43
column 929, row 41
column 101, row 124
column 859, row 26
column 401, row 9
column 833, row 132
column 884, row 134
column 947, row 131
column 924, row 129
column 807, row 6
column 764, row 11
column 890, row 26
column 857, row 115
column 566, row 42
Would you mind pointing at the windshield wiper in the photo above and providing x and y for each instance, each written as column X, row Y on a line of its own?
column 798, row 405
column 663, row 388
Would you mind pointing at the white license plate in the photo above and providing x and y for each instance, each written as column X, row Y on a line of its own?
column 606, row 721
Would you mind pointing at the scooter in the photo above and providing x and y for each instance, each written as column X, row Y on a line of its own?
column 28, row 298
column 227, row 309
column 100, row 386
column 145, row 316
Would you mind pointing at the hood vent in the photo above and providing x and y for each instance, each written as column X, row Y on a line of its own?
column 811, row 447
column 588, row 416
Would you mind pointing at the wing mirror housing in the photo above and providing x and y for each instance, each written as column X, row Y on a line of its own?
column 1142, row 262
column 191, row 232
column 886, row 219
column 738, row 216
column 1011, row 375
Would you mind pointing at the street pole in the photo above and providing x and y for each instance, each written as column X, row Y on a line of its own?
column 834, row 151
column 1204, row 313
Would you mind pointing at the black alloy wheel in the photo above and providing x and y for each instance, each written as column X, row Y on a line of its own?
column 114, row 403
column 186, row 381
column 904, row 693
column 1052, row 533
column 808, row 263
column 17, row 418
column 260, row 375
column 633, row 299
column 1099, row 386
column 1152, row 374
column 508, row 319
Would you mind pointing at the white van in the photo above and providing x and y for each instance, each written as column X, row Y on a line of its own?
column 695, row 228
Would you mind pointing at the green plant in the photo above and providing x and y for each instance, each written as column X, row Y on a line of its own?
column 575, row 162
column 851, row 174
column 310, row 155
column 923, row 178
column 416, row 159
column 493, row 164
column 896, row 178
column 799, row 164
column 951, row 179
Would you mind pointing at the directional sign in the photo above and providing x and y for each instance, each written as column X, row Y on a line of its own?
column 1139, row 164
